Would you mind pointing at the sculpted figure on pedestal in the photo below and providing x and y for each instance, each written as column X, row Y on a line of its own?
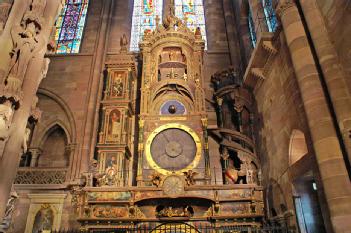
column 26, row 43
column 123, row 43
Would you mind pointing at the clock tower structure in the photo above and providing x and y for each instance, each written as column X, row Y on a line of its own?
column 173, row 122
column 157, row 176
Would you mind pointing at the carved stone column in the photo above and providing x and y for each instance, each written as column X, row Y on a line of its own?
column 232, row 34
column 334, row 74
column 326, row 145
column 34, row 21
column 35, row 152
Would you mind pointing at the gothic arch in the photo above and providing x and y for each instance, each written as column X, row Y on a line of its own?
column 66, row 109
column 49, row 129
column 297, row 146
column 53, row 147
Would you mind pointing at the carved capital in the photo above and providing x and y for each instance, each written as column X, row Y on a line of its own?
column 283, row 5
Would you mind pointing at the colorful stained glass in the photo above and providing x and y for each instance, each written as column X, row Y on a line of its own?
column 251, row 29
column 70, row 25
column 270, row 16
column 193, row 10
column 144, row 15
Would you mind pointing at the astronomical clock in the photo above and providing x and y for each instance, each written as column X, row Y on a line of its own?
column 152, row 157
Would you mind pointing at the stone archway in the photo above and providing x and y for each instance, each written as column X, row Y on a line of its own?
column 297, row 147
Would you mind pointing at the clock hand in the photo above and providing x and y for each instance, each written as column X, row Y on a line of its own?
column 164, row 135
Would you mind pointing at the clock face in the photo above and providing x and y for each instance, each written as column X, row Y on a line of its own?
column 173, row 148
column 173, row 186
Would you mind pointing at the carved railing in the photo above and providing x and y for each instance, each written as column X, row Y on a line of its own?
column 41, row 176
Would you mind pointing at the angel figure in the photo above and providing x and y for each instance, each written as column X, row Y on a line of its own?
column 189, row 177
column 156, row 179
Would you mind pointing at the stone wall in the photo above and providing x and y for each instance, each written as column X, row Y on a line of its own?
column 280, row 112
column 337, row 16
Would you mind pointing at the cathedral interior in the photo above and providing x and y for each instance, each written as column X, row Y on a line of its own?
column 167, row 116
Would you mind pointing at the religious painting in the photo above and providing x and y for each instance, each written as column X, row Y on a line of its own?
column 109, row 212
column 108, row 196
column 117, row 85
column 43, row 220
column 114, row 125
column 112, row 166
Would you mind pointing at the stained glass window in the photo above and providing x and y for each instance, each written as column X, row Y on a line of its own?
column 269, row 13
column 70, row 26
column 194, row 12
column 144, row 15
column 251, row 29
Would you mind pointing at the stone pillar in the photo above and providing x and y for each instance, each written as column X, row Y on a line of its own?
column 35, row 152
column 81, row 160
column 333, row 71
column 326, row 145
column 232, row 34
column 27, row 71
column 258, row 17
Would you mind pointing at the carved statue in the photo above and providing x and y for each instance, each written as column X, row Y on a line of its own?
column 35, row 13
column 135, row 212
column 123, row 43
column 25, row 140
column 156, row 179
column 5, row 224
column 26, row 43
column 189, row 177
column 169, row 212
column 6, row 112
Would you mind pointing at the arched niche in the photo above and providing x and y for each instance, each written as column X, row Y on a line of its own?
column 54, row 144
column 297, row 147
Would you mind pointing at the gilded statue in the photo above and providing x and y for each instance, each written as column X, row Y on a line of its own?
column 190, row 177
column 156, row 179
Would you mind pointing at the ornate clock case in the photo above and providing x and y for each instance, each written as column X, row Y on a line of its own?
column 172, row 124
column 155, row 166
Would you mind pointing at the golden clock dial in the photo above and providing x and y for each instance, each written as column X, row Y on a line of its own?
column 173, row 148
column 173, row 186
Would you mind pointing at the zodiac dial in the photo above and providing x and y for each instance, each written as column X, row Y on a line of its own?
column 173, row 148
